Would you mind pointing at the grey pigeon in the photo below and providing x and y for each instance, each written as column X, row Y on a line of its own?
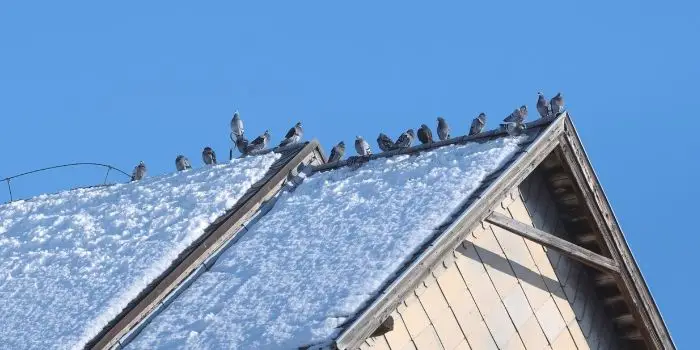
column 443, row 129
column 478, row 124
column 337, row 152
column 513, row 128
column 139, row 172
column 208, row 156
column 424, row 134
column 237, row 125
column 259, row 143
column 241, row 143
column 293, row 135
column 182, row 163
column 542, row 105
column 385, row 142
column 362, row 147
column 405, row 140
column 518, row 115
column 557, row 104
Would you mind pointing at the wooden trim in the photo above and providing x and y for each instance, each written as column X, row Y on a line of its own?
column 548, row 240
column 382, row 306
column 169, row 282
column 630, row 279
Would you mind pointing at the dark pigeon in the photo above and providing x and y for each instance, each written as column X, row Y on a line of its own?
column 293, row 135
column 385, row 142
column 513, row 128
column 443, row 129
column 542, row 106
column 362, row 147
column 208, row 156
column 337, row 152
column 518, row 115
column 557, row 104
column 182, row 163
column 425, row 135
column 139, row 172
column 259, row 143
column 478, row 124
column 405, row 140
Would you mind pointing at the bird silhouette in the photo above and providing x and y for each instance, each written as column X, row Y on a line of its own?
column 443, row 129
column 293, row 135
column 182, row 163
column 385, row 142
column 139, row 172
column 208, row 156
column 478, row 124
column 337, row 152
column 425, row 135
column 362, row 147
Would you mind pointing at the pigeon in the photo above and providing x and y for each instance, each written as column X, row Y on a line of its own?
column 337, row 152
column 208, row 156
column 518, row 115
column 237, row 125
column 182, row 163
column 139, row 172
column 293, row 135
column 542, row 105
column 241, row 143
column 258, row 144
column 424, row 134
column 513, row 128
column 405, row 140
column 385, row 142
column 478, row 124
column 557, row 104
column 362, row 147
column 443, row 129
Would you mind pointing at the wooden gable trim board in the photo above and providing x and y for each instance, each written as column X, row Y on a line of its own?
column 567, row 248
column 174, row 276
column 560, row 135
column 389, row 298
column 635, row 288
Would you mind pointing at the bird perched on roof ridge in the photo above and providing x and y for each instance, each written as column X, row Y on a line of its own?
column 259, row 143
column 543, row 105
column 443, row 129
column 405, row 140
column 208, row 156
column 182, row 163
column 139, row 172
column 425, row 135
column 337, row 152
column 513, row 128
column 518, row 115
column 362, row 147
column 237, row 125
column 241, row 143
column 557, row 104
column 293, row 135
column 478, row 124
column 385, row 142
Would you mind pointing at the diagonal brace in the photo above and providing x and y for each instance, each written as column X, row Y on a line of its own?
column 548, row 240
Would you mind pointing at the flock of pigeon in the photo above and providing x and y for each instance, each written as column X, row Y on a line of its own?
column 513, row 124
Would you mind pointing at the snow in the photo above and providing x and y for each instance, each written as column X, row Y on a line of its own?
column 71, row 261
column 322, row 251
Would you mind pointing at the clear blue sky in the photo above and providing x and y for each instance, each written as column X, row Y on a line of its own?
column 119, row 83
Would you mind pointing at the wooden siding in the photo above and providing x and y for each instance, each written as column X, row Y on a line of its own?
column 501, row 291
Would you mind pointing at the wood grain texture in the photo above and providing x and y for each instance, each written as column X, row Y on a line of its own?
column 571, row 250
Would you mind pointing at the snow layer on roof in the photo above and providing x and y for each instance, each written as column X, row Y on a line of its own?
column 322, row 252
column 71, row 261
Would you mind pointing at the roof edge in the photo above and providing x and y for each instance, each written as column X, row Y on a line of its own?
column 388, row 299
column 215, row 236
column 604, row 217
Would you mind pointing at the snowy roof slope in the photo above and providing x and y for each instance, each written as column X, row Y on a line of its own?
column 323, row 251
column 71, row 261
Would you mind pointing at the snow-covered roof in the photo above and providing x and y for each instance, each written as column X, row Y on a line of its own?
column 324, row 251
column 72, row 261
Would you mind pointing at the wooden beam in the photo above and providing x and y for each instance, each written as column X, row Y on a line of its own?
column 567, row 248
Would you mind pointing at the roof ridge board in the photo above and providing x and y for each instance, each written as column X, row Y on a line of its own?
column 305, row 147
column 614, row 232
column 385, row 300
column 490, row 134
